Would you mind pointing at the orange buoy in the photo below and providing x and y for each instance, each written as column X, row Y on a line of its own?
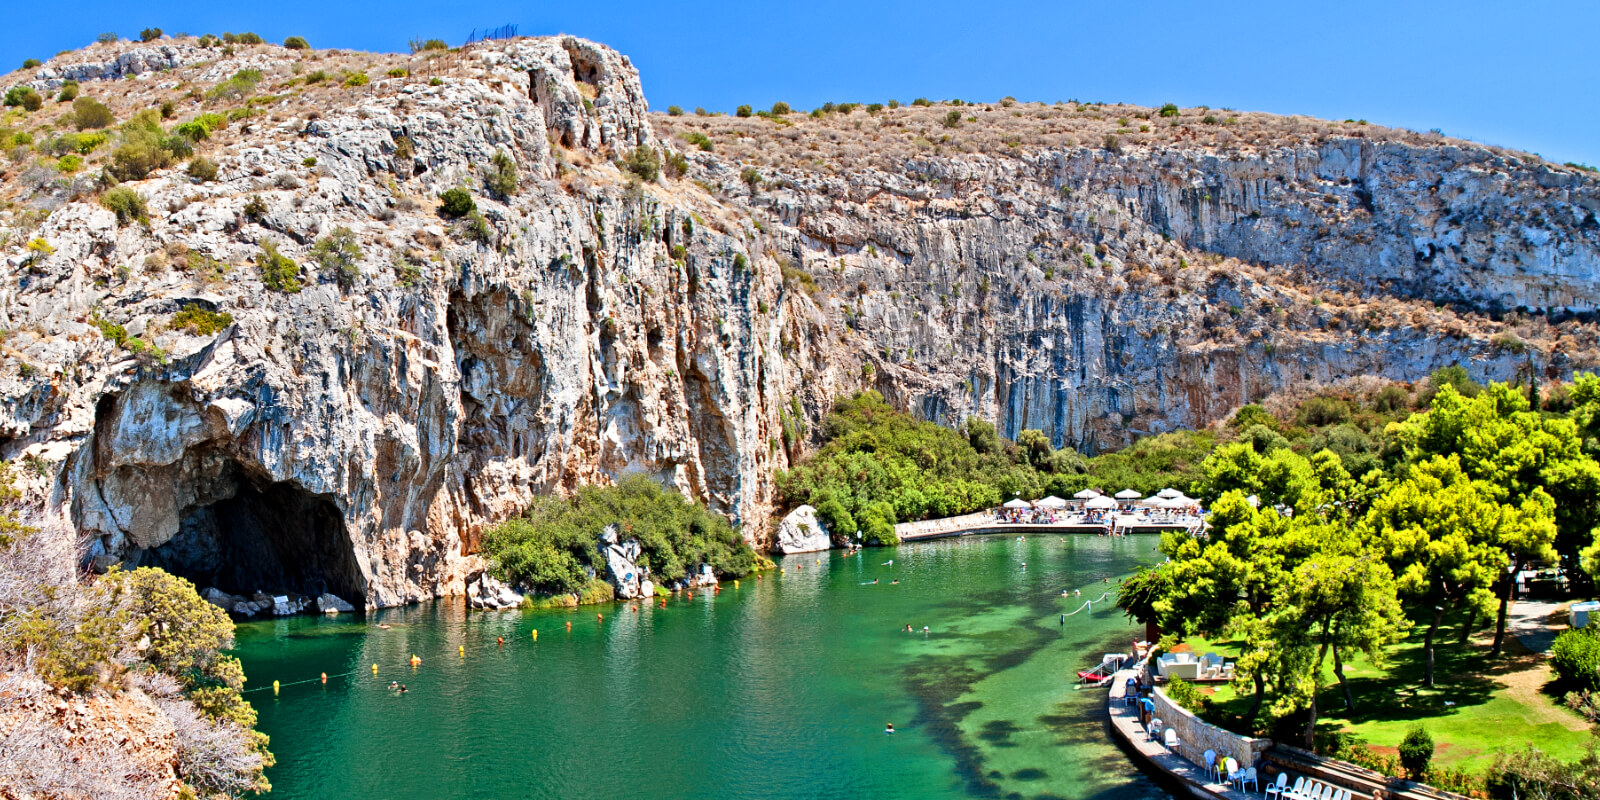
column 324, row 677
column 414, row 660
column 599, row 618
column 501, row 640
column 569, row 626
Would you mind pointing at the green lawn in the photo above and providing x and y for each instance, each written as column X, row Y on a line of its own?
column 1498, row 703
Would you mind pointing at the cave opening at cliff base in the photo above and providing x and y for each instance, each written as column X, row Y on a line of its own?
column 273, row 537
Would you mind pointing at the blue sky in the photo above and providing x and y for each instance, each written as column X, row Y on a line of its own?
column 1516, row 74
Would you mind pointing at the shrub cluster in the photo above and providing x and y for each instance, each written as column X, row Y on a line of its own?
column 278, row 272
column 144, row 148
column 456, row 203
column 128, row 205
column 551, row 547
column 644, row 162
column 89, row 114
column 199, row 321
column 25, row 97
column 1576, row 658
column 502, row 178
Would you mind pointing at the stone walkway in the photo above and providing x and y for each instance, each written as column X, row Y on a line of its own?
column 1125, row 723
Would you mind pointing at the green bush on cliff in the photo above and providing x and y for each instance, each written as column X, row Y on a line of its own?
column 550, row 546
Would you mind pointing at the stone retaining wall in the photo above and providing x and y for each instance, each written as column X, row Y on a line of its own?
column 1195, row 737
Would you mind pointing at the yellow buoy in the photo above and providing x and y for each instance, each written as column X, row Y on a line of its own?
column 274, row 687
column 374, row 669
column 461, row 650
column 735, row 584
column 536, row 634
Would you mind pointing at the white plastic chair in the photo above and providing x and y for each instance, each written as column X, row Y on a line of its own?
column 1298, row 792
column 1234, row 775
column 1249, row 779
column 1210, row 759
column 1170, row 739
column 1278, row 786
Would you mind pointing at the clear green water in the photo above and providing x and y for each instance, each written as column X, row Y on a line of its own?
column 777, row 689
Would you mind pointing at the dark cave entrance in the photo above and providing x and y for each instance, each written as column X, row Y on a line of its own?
column 271, row 537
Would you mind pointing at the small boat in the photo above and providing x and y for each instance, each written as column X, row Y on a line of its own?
column 1102, row 673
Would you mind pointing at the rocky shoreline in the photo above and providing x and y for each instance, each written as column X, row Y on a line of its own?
column 277, row 605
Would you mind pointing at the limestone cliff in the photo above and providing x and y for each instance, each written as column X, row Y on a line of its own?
column 356, row 436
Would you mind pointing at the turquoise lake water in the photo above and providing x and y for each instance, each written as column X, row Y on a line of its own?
column 779, row 688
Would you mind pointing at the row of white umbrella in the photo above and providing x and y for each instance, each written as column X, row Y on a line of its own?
column 1166, row 498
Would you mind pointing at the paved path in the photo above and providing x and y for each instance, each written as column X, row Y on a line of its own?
column 1125, row 723
column 1526, row 621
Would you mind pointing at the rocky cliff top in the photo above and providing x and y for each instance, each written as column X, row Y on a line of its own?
column 304, row 371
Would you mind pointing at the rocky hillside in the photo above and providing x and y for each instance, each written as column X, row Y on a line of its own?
column 281, row 361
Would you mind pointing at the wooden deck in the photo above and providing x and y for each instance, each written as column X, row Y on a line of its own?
column 1125, row 725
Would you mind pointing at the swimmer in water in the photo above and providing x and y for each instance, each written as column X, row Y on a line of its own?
column 383, row 627
column 403, row 689
column 894, row 582
column 874, row 581
column 889, row 728
column 924, row 629
column 908, row 628
column 394, row 685
column 1024, row 565
column 1076, row 593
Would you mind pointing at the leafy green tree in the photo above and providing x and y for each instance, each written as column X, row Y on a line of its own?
column 1036, row 446
column 1443, row 534
column 1138, row 594
column 339, row 254
column 1520, row 455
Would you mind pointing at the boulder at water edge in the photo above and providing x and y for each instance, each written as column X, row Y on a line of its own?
column 331, row 604
column 801, row 532
column 487, row 592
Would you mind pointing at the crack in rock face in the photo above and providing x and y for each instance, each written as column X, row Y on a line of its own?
column 357, row 436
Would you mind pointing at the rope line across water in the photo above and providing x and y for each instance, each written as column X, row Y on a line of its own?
column 317, row 679
column 1089, row 604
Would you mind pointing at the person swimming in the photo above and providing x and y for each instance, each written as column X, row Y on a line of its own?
column 908, row 627
column 924, row 629
column 895, row 582
column 874, row 581
column 403, row 689
column 889, row 728
column 394, row 685
column 1024, row 565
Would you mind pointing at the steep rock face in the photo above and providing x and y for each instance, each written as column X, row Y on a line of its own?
column 1053, row 290
column 356, row 436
